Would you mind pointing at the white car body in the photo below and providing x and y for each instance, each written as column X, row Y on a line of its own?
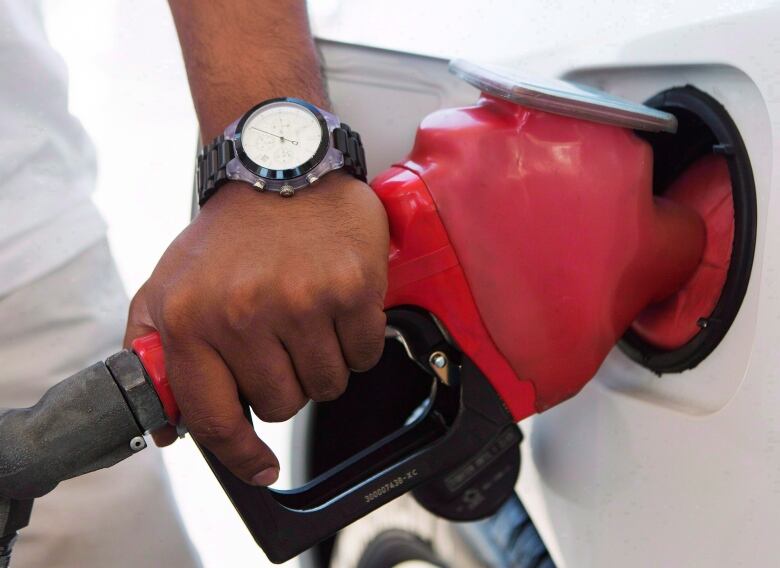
column 636, row 470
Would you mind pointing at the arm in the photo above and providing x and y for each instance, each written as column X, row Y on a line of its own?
column 241, row 52
column 263, row 297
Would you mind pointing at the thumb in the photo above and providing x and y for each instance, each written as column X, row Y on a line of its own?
column 139, row 323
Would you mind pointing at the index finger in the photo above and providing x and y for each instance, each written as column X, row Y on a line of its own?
column 207, row 395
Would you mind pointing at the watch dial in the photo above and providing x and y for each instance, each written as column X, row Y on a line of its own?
column 281, row 136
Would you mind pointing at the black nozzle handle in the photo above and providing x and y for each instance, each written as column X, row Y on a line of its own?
column 285, row 523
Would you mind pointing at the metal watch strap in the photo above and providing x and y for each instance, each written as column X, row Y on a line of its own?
column 212, row 162
column 348, row 142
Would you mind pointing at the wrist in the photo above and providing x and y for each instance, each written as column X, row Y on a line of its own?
column 241, row 194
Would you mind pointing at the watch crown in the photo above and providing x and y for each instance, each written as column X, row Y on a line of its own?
column 259, row 185
column 287, row 191
column 311, row 178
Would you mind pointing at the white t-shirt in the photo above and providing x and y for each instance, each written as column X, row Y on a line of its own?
column 47, row 163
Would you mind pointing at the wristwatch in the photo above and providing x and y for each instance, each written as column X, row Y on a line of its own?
column 280, row 145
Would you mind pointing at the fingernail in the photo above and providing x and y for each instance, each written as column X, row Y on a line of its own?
column 266, row 477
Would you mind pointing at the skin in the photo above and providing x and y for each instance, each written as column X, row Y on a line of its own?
column 262, row 297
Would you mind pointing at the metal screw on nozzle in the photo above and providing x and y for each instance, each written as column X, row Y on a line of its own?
column 440, row 365
column 439, row 360
column 137, row 444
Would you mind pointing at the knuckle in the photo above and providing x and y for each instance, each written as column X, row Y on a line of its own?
column 366, row 353
column 363, row 303
column 326, row 394
column 273, row 391
column 351, row 285
column 301, row 302
column 364, row 346
column 281, row 412
column 326, row 382
column 265, row 374
column 214, row 431
column 176, row 310
column 241, row 304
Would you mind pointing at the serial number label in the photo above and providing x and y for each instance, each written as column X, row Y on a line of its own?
column 390, row 485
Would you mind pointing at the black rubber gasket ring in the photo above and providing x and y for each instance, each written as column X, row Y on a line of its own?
column 704, row 127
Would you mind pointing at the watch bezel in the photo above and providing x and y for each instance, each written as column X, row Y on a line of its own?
column 289, row 174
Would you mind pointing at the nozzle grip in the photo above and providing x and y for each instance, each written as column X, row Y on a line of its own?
column 285, row 523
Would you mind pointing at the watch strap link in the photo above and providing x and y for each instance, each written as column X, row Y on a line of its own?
column 349, row 143
column 212, row 166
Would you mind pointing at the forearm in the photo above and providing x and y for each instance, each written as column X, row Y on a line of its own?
column 241, row 52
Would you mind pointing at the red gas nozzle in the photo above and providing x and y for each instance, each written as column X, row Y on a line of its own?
column 150, row 351
column 554, row 242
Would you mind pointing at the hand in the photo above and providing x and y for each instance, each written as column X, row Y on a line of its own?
column 271, row 299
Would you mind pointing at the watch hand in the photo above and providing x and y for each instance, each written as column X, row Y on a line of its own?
column 282, row 138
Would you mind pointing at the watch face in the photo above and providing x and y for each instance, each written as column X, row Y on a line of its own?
column 283, row 138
